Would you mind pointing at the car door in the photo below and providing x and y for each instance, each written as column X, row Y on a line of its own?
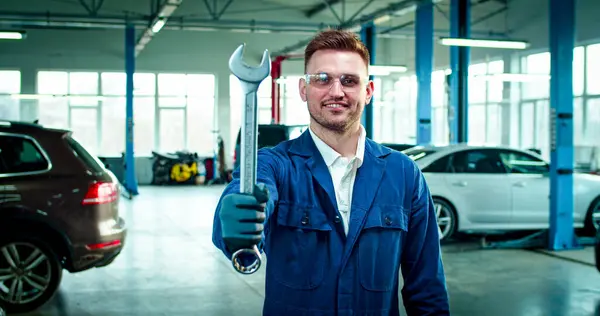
column 530, row 186
column 478, row 179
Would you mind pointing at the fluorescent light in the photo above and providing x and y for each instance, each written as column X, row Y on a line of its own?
column 158, row 25
column 514, row 77
column 382, row 19
column 12, row 35
column 379, row 70
column 483, row 43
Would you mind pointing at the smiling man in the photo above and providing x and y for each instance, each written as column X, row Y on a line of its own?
column 338, row 215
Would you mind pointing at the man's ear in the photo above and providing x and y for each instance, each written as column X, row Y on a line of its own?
column 302, row 89
column 370, row 89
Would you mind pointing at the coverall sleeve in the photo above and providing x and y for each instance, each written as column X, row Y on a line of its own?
column 424, row 291
column 268, row 164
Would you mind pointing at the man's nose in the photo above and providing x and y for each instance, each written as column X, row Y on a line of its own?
column 336, row 89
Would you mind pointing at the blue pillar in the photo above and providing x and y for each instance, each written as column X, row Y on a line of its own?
column 369, row 37
column 562, row 41
column 130, row 179
column 424, row 68
column 460, row 16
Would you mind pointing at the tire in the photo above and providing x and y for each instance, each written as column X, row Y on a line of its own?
column 590, row 226
column 446, row 218
column 38, row 284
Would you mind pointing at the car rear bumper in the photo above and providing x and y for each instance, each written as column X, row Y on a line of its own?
column 99, row 253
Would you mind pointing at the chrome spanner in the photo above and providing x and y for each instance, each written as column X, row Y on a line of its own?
column 250, row 79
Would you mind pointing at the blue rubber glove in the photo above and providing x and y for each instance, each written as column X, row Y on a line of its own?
column 242, row 218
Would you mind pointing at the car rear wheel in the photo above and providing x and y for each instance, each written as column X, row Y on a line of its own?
column 446, row 218
column 592, row 221
column 30, row 273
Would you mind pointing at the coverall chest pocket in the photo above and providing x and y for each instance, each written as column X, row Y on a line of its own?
column 299, row 247
column 380, row 247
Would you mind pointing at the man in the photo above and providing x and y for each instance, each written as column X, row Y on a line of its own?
column 339, row 215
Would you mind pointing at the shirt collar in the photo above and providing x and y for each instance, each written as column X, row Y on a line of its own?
column 330, row 155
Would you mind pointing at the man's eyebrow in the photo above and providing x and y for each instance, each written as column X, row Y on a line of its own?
column 354, row 74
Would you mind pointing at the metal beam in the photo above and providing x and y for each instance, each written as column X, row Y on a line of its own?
column 396, row 6
column 92, row 6
column 223, row 9
column 157, row 23
column 360, row 10
column 326, row 2
column 214, row 11
column 42, row 19
column 489, row 15
column 320, row 7
column 424, row 68
column 397, row 27
column 562, row 42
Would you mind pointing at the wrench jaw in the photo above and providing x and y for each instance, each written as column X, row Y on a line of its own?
column 244, row 72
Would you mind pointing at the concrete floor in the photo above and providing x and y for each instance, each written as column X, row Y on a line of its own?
column 170, row 267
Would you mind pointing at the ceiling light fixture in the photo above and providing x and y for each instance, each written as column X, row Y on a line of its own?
column 12, row 35
column 486, row 43
column 514, row 77
column 380, row 70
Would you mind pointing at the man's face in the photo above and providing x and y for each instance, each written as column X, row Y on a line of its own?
column 337, row 89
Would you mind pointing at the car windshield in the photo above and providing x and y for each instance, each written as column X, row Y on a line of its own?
column 418, row 153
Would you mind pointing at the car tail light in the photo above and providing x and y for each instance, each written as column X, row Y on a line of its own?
column 101, row 193
column 234, row 156
column 103, row 245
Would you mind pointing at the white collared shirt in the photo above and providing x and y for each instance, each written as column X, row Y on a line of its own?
column 343, row 172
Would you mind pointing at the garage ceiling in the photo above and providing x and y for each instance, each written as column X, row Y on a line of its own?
column 301, row 12
column 303, row 16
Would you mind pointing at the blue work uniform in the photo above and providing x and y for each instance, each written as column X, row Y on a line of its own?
column 314, row 268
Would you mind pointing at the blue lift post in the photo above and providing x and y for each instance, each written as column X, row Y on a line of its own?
column 424, row 68
column 130, row 179
column 368, row 36
column 460, row 57
column 562, row 42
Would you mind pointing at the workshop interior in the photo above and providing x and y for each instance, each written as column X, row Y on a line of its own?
column 122, row 122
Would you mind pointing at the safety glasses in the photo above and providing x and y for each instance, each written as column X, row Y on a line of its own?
column 325, row 80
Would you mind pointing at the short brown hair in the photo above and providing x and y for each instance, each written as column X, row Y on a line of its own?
column 336, row 40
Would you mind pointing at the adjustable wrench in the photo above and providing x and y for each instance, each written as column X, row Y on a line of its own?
column 250, row 79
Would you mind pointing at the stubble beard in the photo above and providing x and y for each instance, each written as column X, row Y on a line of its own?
column 338, row 127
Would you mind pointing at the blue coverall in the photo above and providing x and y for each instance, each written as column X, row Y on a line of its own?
column 314, row 269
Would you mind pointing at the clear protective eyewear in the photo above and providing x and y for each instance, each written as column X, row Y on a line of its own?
column 325, row 80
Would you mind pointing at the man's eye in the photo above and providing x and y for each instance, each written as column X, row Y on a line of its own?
column 323, row 79
column 349, row 81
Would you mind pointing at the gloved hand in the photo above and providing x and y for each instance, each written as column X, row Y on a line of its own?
column 242, row 218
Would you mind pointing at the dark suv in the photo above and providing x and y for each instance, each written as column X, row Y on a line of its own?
column 58, row 210
column 269, row 135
